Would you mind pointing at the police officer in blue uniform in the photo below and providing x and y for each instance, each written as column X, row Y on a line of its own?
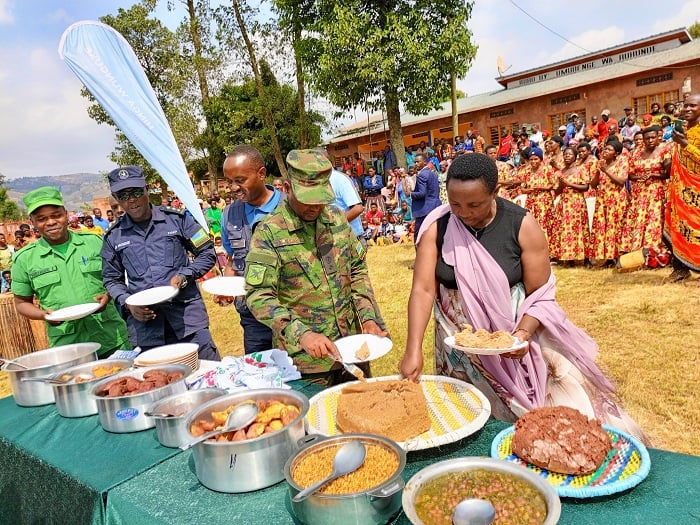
column 151, row 246
column 245, row 170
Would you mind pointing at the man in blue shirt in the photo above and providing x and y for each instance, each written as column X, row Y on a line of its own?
column 348, row 200
column 99, row 220
column 245, row 170
column 152, row 246
column 426, row 195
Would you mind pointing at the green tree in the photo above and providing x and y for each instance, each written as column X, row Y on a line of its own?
column 9, row 211
column 236, row 116
column 393, row 55
column 694, row 30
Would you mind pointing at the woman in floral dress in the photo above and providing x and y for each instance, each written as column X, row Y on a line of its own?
column 538, row 184
column 611, row 203
column 643, row 223
column 571, row 215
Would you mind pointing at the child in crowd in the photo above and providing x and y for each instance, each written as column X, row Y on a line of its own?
column 6, row 282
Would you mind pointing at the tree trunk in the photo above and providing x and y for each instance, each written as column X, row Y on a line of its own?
column 393, row 114
column 301, row 92
column 204, row 90
column 455, row 116
column 267, row 113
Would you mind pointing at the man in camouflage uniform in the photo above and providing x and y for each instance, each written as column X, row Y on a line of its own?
column 306, row 274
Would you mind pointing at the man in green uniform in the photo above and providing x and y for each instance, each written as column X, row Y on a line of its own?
column 64, row 268
column 306, row 274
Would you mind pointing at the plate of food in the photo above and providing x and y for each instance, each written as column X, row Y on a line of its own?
column 363, row 347
column 435, row 411
column 484, row 342
column 71, row 313
column 226, row 286
column 594, row 460
column 151, row 296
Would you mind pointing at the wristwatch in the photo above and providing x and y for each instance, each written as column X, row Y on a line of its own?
column 183, row 284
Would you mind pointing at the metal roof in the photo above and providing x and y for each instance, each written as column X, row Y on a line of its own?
column 658, row 61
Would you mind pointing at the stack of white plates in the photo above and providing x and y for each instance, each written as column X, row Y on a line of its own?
column 184, row 353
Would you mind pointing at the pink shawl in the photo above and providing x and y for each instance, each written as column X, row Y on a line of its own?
column 486, row 299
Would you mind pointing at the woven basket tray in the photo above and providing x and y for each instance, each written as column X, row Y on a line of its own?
column 457, row 409
column 627, row 464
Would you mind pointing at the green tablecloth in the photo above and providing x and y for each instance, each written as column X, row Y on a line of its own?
column 59, row 470
column 169, row 493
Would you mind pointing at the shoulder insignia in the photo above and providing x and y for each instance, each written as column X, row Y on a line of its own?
column 170, row 209
column 200, row 238
column 361, row 252
column 254, row 274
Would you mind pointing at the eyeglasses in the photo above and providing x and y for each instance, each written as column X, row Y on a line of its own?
column 127, row 194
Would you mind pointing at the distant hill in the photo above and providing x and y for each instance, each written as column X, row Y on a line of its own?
column 77, row 188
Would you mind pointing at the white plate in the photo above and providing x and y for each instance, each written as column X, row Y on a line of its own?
column 225, row 286
column 517, row 345
column 167, row 353
column 70, row 313
column 150, row 296
column 378, row 346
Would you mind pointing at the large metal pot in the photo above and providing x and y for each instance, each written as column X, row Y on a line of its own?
column 479, row 463
column 375, row 506
column 242, row 466
column 75, row 399
column 170, row 414
column 45, row 363
column 126, row 413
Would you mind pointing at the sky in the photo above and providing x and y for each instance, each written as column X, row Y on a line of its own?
column 46, row 131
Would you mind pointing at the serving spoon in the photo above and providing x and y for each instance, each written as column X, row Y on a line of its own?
column 240, row 417
column 473, row 511
column 55, row 381
column 348, row 459
column 11, row 362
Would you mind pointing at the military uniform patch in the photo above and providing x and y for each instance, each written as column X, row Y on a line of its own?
column 361, row 252
column 200, row 238
column 254, row 274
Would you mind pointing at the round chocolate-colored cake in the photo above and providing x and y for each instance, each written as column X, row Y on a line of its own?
column 561, row 439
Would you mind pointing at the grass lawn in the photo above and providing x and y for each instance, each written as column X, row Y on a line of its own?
column 647, row 331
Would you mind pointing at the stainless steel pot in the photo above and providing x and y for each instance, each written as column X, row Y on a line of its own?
column 172, row 431
column 242, row 466
column 375, row 506
column 126, row 413
column 479, row 463
column 76, row 399
column 45, row 363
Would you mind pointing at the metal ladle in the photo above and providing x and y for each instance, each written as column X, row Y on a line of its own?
column 348, row 459
column 55, row 381
column 11, row 362
column 240, row 417
column 473, row 511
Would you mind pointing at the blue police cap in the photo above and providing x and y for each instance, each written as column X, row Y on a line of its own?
column 126, row 177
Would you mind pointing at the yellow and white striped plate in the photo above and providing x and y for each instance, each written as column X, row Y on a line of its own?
column 457, row 410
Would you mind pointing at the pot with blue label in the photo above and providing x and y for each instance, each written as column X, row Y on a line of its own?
column 123, row 399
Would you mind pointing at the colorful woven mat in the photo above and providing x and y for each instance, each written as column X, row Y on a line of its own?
column 626, row 465
column 457, row 409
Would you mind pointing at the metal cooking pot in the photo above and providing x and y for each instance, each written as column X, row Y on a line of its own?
column 172, row 431
column 375, row 506
column 242, row 466
column 75, row 399
column 45, row 363
column 126, row 413
column 479, row 463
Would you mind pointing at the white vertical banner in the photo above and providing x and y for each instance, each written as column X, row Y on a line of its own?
column 107, row 66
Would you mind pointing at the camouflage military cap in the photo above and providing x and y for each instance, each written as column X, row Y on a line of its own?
column 309, row 172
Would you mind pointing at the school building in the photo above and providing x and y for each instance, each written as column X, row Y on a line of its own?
column 659, row 68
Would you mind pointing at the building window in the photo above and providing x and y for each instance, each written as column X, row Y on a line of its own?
column 561, row 119
column 496, row 133
column 642, row 105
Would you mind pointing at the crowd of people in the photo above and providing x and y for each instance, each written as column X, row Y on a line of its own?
column 487, row 222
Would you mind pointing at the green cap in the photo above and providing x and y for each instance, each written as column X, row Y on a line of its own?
column 309, row 172
column 45, row 196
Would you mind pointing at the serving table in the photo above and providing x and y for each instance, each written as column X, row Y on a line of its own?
column 58, row 470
